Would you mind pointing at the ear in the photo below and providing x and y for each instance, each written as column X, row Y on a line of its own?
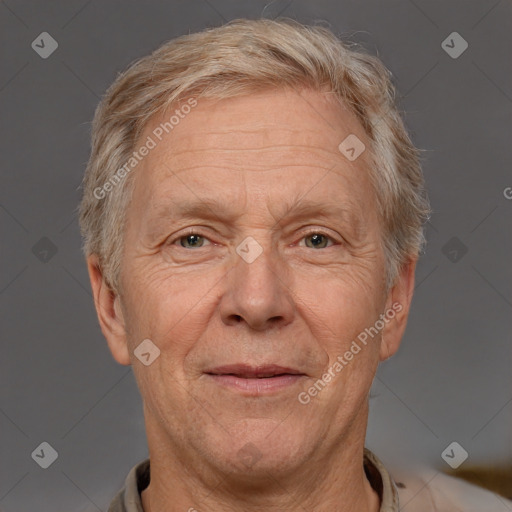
column 398, row 303
column 108, row 309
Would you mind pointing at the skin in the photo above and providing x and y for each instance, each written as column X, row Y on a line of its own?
column 298, row 305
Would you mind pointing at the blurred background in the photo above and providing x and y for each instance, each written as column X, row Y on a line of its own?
column 451, row 381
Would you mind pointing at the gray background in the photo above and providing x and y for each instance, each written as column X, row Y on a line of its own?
column 451, row 380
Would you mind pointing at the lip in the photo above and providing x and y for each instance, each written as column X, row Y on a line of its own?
column 255, row 380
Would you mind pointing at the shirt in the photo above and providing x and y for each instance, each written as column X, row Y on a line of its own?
column 421, row 492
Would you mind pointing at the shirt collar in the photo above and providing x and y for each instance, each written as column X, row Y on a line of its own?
column 381, row 482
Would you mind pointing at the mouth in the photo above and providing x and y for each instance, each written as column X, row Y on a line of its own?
column 255, row 380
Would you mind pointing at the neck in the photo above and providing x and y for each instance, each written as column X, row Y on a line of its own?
column 155, row 499
column 335, row 481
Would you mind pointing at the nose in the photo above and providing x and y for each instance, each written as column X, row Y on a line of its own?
column 257, row 291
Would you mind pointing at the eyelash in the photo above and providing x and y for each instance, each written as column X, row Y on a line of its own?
column 193, row 231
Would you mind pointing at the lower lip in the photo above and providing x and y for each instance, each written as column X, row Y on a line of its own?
column 257, row 386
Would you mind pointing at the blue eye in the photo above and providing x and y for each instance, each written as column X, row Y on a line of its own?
column 318, row 240
column 314, row 240
column 191, row 240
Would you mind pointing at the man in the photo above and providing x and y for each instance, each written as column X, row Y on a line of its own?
column 252, row 217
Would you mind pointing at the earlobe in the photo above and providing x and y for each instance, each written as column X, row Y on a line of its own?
column 397, row 310
column 109, row 312
column 384, row 349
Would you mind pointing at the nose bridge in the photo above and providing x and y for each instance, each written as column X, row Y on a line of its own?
column 256, row 292
column 255, row 274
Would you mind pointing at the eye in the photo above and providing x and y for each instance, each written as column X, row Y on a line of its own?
column 191, row 240
column 194, row 240
column 317, row 240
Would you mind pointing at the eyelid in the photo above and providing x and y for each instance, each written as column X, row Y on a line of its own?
column 309, row 232
column 323, row 232
column 187, row 232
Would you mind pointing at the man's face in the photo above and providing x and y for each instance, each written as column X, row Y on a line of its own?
column 244, row 328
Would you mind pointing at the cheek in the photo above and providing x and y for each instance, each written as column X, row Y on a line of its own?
column 351, row 356
column 339, row 309
column 343, row 300
column 169, row 307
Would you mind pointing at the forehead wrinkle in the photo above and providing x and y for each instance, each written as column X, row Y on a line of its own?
column 268, row 149
column 179, row 170
column 239, row 137
column 253, row 127
column 236, row 161
column 239, row 133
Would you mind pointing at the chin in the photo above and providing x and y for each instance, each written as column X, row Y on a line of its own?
column 259, row 448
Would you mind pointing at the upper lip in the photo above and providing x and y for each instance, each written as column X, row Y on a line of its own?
column 253, row 372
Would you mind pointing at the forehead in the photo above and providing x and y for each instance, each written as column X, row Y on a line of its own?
column 263, row 120
column 279, row 141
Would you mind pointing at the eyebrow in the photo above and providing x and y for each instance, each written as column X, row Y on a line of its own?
column 206, row 208
column 213, row 209
column 307, row 209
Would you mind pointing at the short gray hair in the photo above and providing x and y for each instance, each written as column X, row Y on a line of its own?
column 236, row 59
